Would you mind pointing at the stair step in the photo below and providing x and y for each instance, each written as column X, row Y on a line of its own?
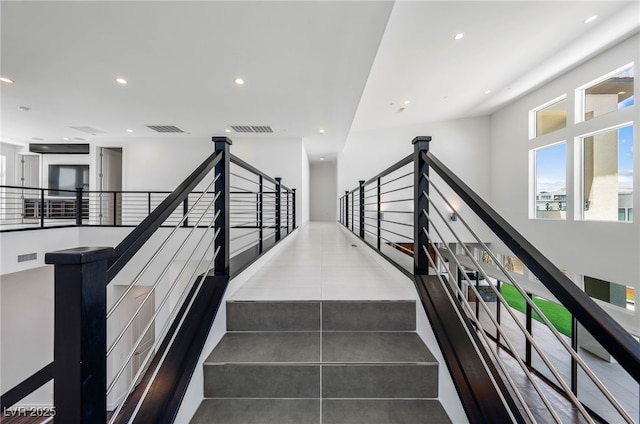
column 258, row 411
column 267, row 347
column 389, row 381
column 375, row 347
column 273, row 316
column 369, row 316
column 261, row 381
column 382, row 411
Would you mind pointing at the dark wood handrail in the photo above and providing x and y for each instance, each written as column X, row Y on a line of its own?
column 136, row 239
column 622, row 346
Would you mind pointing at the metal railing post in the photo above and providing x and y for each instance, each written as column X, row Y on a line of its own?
column 361, row 211
column 287, row 211
column 260, row 214
column 42, row 211
column 80, row 333
column 346, row 209
column 278, row 207
column 185, row 211
column 421, row 223
column 79, row 206
column 222, row 222
column 379, row 218
column 293, row 201
column 115, row 208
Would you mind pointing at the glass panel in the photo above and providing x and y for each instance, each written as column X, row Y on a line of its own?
column 551, row 118
column 613, row 93
column 607, row 173
column 551, row 182
column 613, row 293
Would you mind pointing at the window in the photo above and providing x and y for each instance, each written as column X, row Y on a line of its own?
column 551, row 182
column 550, row 117
column 607, row 175
column 615, row 294
column 607, row 94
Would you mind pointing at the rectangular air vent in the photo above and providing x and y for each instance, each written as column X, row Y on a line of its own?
column 165, row 128
column 88, row 130
column 252, row 128
column 27, row 257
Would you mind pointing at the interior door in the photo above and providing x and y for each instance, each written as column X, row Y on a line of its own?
column 110, row 178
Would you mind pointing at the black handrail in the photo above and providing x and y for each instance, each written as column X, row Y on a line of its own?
column 28, row 386
column 136, row 239
column 622, row 346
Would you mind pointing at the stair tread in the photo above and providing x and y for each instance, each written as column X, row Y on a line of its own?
column 254, row 411
column 307, row 411
column 321, row 348
column 267, row 347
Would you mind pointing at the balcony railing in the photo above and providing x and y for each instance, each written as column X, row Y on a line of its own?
column 131, row 321
column 508, row 366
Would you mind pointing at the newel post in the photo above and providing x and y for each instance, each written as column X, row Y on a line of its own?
column 80, row 333
column 222, row 222
column 278, row 207
column 420, row 205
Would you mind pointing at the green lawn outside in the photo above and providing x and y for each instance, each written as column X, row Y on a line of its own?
column 557, row 314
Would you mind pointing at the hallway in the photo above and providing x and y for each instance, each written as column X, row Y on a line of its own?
column 322, row 261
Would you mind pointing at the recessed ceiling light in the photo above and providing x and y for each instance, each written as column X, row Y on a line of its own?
column 621, row 92
column 7, row 80
column 121, row 81
column 239, row 81
column 24, row 108
column 321, row 158
column 406, row 102
column 227, row 130
column 129, row 130
column 591, row 19
column 321, row 131
column 66, row 138
column 458, row 36
column 487, row 92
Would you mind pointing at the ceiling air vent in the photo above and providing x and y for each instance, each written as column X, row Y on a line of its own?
column 88, row 130
column 165, row 128
column 252, row 128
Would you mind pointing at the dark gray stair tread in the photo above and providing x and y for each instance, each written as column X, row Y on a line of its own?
column 378, row 411
column 369, row 316
column 376, row 347
column 258, row 411
column 273, row 316
column 397, row 381
column 262, row 381
column 267, row 347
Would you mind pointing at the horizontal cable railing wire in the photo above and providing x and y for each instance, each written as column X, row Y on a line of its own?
column 428, row 248
column 178, row 272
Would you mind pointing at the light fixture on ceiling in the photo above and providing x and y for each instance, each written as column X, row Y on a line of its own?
column 239, row 81
column 65, row 138
column 458, row 36
column 227, row 130
column 121, row 80
column 24, row 108
column 487, row 92
column 321, row 131
column 621, row 93
column 321, row 158
column 406, row 102
column 129, row 130
column 7, row 80
column 590, row 19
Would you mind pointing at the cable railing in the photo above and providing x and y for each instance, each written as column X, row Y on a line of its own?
column 525, row 359
column 125, row 349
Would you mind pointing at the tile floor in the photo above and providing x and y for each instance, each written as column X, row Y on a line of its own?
column 325, row 262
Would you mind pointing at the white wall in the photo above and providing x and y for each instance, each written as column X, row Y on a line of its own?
column 605, row 250
column 26, row 328
column 303, row 197
column 323, row 192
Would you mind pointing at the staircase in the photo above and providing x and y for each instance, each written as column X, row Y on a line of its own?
column 320, row 362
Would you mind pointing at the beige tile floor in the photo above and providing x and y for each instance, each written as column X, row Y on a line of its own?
column 325, row 262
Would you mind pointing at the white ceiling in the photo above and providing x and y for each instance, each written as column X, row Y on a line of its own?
column 308, row 65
